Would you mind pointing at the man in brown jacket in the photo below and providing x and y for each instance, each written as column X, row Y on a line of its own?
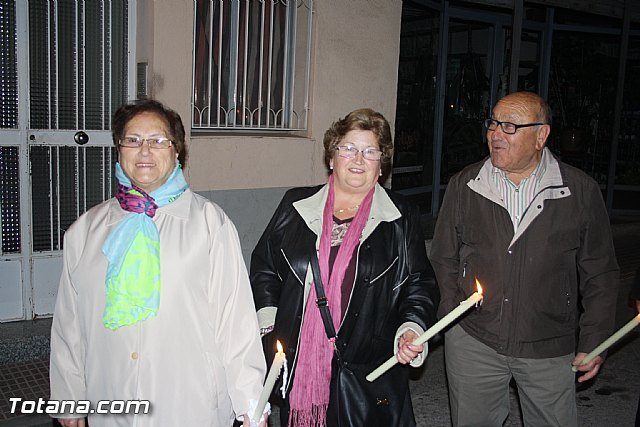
column 535, row 233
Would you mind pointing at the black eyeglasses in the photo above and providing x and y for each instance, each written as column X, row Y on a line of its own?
column 507, row 127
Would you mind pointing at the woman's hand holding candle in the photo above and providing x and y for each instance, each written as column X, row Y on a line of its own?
column 248, row 422
column 407, row 351
column 465, row 305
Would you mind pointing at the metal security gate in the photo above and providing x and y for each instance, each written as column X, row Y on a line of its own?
column 65, row 66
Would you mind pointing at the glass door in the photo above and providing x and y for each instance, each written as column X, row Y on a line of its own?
column 67, row 63
column 415, row 112
column 468, row 96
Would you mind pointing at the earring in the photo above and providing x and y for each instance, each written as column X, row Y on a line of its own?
column 380, row 172
column 331, row 166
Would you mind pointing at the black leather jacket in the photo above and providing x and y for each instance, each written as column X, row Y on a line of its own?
column 394, row 286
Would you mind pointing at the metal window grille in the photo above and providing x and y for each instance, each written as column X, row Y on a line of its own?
column 251, row 64
column 78, row 77
column 78, row 63
column 70, row 180
column 10, row 200
column 8, row 66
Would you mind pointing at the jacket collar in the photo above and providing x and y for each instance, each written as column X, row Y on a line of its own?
column 311, row 210
column 551, row 187
column 552, row 176
column 482, row 183
column 179, row 208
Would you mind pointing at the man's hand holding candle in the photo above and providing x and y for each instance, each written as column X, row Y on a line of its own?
column 590, row 369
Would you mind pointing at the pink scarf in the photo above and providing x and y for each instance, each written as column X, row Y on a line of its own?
column 309, row 396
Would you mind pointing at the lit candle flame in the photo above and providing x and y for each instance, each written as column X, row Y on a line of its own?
column 279, row 346
column 478, row 286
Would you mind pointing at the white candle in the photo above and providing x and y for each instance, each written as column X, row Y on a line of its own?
column 465, row 305
column 609, row 341
column 279, row 360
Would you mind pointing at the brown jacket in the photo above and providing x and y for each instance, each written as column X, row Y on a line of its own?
column 535, row 279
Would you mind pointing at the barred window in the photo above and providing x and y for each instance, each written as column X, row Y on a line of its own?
column 8, row 66
column 251, row 64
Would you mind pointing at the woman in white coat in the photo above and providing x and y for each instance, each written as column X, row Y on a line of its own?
column 154, row 302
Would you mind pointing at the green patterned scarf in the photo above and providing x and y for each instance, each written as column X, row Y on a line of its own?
column 133, row 252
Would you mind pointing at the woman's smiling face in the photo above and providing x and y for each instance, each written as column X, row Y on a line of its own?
column 357, row 174
column 147, row 168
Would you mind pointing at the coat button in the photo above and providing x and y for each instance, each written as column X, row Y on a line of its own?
column 134, row 355
column 366, row 279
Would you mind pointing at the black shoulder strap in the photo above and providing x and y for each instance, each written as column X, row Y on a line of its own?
column 321, row 301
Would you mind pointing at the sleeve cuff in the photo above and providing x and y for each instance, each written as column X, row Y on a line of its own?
column 267, row 317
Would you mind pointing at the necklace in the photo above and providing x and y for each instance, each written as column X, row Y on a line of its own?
column 352, row 208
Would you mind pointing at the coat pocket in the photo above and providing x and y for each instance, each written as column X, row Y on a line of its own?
column 386, row 270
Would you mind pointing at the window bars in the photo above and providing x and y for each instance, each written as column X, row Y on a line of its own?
column 251, row 64
column 8, row 66
column 78, row 63
column 70, row 180
column 10, row 200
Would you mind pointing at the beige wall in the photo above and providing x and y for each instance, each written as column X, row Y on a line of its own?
column 354, row 64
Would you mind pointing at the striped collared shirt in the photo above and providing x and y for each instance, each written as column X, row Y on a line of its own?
column 517, row 198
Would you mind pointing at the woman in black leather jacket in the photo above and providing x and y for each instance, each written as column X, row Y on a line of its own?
column 379, row 285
